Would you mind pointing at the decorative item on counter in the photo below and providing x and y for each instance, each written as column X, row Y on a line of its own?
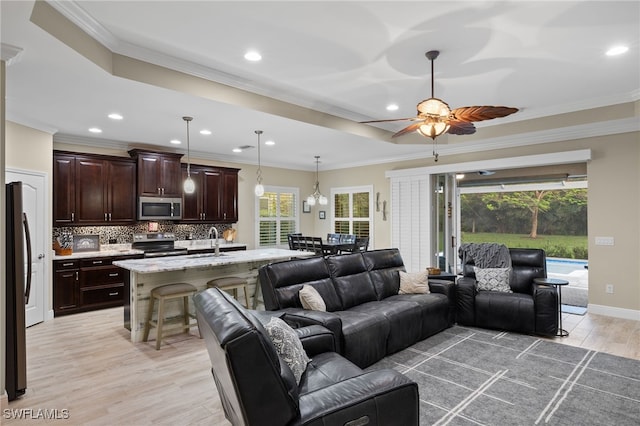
column 82, row 243
column 433, row 271
column 152, row 227
column 63, row 245
column 229, row 235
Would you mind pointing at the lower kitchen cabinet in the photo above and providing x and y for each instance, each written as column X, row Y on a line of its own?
column 88, row 284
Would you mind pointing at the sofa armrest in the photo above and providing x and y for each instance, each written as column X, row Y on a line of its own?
column 316, row 339
column 383, row 397
column 298, row 317
column 466, row 301
column 545, row 300
column 448, row 288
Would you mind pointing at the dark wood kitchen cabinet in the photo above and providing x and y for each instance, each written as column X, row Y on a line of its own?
column 216, row 196
column 66, row 285
column 93, row 190
column 159, row 174
column 88, row 284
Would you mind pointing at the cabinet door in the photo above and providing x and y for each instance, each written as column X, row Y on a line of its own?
column 64, row 193
column 230, row 196
column 65, row 291
column 212, row 197
column 149, row 174
column 91, row 203
column 170, row 176
column 121, row 191
column 192, row 203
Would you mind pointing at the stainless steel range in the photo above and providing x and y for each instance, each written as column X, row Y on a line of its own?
column 157, row 244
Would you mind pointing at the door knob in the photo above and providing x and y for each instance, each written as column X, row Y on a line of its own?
column 41, row 256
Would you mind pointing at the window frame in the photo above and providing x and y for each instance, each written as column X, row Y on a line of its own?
column 257, row 219
column 351, row 190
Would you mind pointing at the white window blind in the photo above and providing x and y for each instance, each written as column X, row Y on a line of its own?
column 276, row 216
column 353, row 211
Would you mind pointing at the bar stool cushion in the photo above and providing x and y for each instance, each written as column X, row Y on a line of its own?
column 173, row 289
column 226, row 281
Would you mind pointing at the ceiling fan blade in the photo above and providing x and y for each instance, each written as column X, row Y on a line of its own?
column 410, row 128
column 390, row 120
column 479, row 113
column 461, row 127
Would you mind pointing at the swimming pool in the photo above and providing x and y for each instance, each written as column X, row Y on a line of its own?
column 557, row 265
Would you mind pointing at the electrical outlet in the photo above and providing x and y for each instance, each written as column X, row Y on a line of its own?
column 609, row 288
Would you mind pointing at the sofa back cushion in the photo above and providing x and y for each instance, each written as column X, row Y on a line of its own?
column 282, row 281
column 526, row 264
column 244, row 362
column 383, row 266
column 351, row 279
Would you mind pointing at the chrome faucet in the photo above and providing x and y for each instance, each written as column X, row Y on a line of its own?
column 214, row 231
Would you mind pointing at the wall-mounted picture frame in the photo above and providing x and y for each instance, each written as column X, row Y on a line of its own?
column 322, row 214
column 306, row 208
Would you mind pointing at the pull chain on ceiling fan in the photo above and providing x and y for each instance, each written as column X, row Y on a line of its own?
column 435, row 117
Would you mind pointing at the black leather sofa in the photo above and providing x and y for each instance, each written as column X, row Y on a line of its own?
column 257, row 387
column 367, row 316
column 531, row 308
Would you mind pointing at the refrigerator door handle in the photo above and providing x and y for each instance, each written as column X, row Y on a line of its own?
column 27, row 237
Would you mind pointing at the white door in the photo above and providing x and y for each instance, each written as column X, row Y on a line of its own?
column 34, row 199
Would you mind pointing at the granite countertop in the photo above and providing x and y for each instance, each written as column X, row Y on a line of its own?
column 176, row 263
column 110, row 250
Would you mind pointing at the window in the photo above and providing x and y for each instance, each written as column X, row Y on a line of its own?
column 277, row 216
column 353, row 211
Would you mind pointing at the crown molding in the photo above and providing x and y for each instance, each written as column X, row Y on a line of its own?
column 76, row 14
column 10, row 54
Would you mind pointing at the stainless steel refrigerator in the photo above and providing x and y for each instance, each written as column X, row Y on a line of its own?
column 17, row 295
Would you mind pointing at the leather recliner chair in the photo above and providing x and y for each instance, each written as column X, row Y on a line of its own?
column 531, row 308
column 256, row 387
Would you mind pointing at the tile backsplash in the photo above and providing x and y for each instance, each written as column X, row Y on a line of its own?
column 124, row 234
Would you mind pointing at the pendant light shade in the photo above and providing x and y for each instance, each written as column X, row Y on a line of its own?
column 189, row 186
column 317, row 195
column 259, row 188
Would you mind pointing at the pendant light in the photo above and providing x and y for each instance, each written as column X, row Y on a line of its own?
column 259, row 189
column 317, row 195
column 189, row 185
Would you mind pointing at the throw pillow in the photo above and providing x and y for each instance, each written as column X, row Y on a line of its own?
column 414, row 282
column 288, row 346
column 493, row 279
column 311, row 299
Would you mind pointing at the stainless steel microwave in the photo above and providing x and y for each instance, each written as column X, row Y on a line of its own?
column 156, row 208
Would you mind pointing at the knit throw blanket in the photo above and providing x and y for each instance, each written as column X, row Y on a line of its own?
column 485, row 255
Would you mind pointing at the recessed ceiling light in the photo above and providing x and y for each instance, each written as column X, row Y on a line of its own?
column 237, row 150
column 617, row 50
column 205, row 132
column 252, row 56
column 115, row 116
column 392, row 107
column 175, row 141
column 269, row 142
column 95, row 130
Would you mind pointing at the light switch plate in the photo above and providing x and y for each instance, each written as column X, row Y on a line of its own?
column 604, row 241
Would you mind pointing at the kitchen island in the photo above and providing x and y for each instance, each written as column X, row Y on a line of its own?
column 146, row 274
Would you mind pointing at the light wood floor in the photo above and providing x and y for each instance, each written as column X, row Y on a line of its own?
column 86, row 364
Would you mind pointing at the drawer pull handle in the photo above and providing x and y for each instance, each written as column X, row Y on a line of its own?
column 115, row 274
column 67, row 275
column 114, row 294
column 67, row 264
column 97, row 262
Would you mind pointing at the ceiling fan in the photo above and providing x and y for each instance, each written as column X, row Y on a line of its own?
column 435, row 117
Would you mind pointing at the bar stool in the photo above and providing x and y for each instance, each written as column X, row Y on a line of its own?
column 231, row 283
column 163, row 293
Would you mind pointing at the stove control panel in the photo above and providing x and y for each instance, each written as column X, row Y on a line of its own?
column 157, row 236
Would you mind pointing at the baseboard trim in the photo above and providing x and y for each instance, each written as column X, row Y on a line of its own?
column 4, row 400
column 612, row 311
column 49, row 315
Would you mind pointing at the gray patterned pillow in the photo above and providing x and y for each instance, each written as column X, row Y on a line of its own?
column 493, row 279
column 288, row 346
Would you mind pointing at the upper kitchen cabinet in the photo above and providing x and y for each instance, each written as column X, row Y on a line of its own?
column 159, row 174
column 216, row 196
column 93, row 190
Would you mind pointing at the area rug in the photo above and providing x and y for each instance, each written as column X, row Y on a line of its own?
column 575, row 310
column 469, row 376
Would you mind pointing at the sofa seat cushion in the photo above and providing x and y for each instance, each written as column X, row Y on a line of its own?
column 505, row 311
column 405, row 321
column 434, row 311
column 324, row 370
column 364, row 336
